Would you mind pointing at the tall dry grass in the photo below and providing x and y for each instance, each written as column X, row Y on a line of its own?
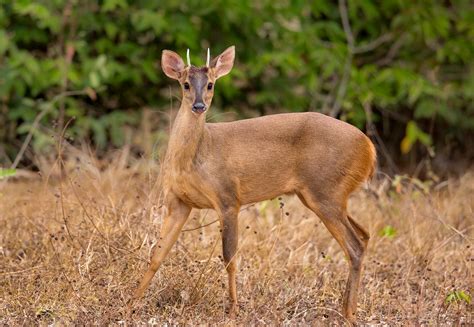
column 73, row 249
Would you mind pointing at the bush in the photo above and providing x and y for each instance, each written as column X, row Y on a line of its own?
column 408, row 61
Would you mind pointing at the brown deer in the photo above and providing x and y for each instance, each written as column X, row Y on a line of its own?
column 226, row 165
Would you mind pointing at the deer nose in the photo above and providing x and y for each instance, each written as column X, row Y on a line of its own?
column 199, row 107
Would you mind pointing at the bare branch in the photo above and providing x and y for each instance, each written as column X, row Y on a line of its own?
column 392, row 52
column 351, row 51
column 372, row 45
column 346, row 25
column 341, row 92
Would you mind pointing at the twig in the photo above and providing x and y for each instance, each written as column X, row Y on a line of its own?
column 67, row 52
column 61, row 165
column 10, row 273
column 445, row 224
column 372, row 45
column 394, row 115
column 199, row 227
column 196, row 285
column 447, row 240
column 86, row 213
column 202, row 226
column 341, row 91
column 392, row 52
column 37, row 120
column 63, row 271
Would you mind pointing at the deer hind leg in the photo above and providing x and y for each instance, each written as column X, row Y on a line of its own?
column 173, row 222
column 230, row 240
column 350, row 236
column 364, row 236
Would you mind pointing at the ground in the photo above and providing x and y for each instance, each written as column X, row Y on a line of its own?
column 72, row 251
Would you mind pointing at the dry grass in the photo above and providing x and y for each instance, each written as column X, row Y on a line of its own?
column 72, row 251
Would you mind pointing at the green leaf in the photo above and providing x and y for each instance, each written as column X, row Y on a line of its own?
column 7, row 172
column 94, row 79
column 412, row 135
column 111, row 5
column 388, row 232
column 457, row 296
column 111, row 29
column 415, row 90
column 40, row 12
column 100, row 135
column 4, row 42
column 425, row 109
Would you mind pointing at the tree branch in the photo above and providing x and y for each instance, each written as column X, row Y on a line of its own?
column 392, row 52
column 346, row 25
column 341, row 92
column 372, row 45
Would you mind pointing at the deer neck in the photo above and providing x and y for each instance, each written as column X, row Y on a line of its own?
column 186, row 137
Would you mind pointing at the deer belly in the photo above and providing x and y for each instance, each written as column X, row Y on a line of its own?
column 265, row 188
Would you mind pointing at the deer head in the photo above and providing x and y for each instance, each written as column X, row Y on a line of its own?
column 197, row 83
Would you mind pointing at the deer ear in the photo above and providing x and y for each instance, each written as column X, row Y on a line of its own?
column 224, row 62
column 172, row 64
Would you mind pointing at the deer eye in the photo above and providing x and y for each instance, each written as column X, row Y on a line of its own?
column 209, row 86
column 186, row 86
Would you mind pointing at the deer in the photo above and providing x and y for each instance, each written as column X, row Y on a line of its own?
column 223, row 166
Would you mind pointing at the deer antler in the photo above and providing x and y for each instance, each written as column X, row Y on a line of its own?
column 208, row 57
column 187, row 56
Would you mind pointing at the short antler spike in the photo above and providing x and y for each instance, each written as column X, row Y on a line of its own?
column 187, row 56
column 208, row 57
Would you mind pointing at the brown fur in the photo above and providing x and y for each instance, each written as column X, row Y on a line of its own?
column 226, row 165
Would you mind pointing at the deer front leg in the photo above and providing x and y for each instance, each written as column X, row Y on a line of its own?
column 230, row 242
column 175, row 218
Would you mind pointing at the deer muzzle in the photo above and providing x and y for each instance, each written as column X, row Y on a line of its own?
column 199, row 107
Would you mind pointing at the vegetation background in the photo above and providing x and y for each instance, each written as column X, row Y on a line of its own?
column 400, row 69
column 81, row 88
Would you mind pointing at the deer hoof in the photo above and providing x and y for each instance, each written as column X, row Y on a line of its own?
column 234, row 311
column 351, row 319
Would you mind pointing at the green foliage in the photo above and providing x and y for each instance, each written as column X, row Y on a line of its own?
column 402, row 182
column 458, row 296
column 414, row 134
column 411, row 59
column 388, row 232
column 4, row 173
